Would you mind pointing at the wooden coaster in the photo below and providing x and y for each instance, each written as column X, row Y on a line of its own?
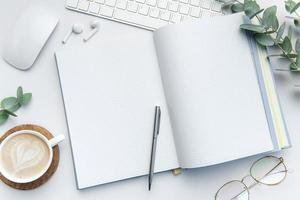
column 49, row 172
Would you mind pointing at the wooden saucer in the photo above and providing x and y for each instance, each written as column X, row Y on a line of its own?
column 49, row 172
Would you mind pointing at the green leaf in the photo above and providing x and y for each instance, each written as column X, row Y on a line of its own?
column 290, row 55
column 19, row 94
column 290, row 32
column 10, row 103
column 237, row 7
column 275, row 24
column 297, row 45
column 289, row 5
column 264, row 40
column 253, row 28
column 254, row 14
column 26, row 98
column 286, row 45
column 251, row 7
column 298, row 61
column 227, row 4
column 297, row 22
column 280, row 32
column 293, row 67
column 3, row 117
column 295, row 8
column 269, row 17
column 10, row 113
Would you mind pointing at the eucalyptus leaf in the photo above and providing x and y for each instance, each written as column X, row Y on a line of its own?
column 237, row 7
column 251, row 7
column 3, row 117
column 294, row 67
column 255, row 14
column 10, row 103
column 286, row 45
column 26, row 98
column 227, row 4
column 253, row 28
column 298, row 61
column 297, row 22
column 10, row 113
column 264, row 40
column 280, row 32
column 289, row 5
column 290, row 32
column 275, row 24
column 19, row 94
column 297, row 45
column 290, row 55
column 295, row 7
column 269, row 17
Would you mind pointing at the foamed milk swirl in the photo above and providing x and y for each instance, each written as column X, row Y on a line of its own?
column 24, row 156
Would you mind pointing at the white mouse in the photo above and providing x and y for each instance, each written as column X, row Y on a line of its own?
column 28, row 36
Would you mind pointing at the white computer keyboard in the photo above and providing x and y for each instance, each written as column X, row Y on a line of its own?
column 148, row 14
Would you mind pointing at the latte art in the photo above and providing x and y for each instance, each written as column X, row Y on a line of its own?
column 24, row 156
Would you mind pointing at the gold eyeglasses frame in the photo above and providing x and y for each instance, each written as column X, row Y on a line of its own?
column 257, row 181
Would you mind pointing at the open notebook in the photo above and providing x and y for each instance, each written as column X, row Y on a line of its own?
column 213, row 84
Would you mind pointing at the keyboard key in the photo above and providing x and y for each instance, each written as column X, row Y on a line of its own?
column 151, row 2
column 206, row 4
column 83, row 5
column 195, row 2
column 106, row 11
column 173, row 6
column 175, row 18
column 94, row 8
column 100, row 1
column 217, row 6
column 205, row 13
column 111, row 3
column 121, row 4
column 165, row 15
column 143, row 9
column 132, row 6
column 154, row 12
column 72, row 3
column 162, row 4
column 195, row 12
column 214, row 14
column 145, row 21
column 186, row 18
column 184, row 9
column 184, row 1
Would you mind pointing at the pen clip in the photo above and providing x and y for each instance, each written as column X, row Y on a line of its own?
column 157, row 119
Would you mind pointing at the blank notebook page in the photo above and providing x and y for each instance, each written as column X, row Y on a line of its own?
column 212, row 91
column 110, row 89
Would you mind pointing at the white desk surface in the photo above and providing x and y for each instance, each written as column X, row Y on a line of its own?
column 46, row 109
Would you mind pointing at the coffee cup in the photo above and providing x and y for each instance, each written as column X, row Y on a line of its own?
column 26, row 155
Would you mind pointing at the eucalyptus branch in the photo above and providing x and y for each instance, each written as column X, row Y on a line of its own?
column 9, row 105
column 266, row 30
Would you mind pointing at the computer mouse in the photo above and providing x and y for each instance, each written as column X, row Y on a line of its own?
column 28, row 36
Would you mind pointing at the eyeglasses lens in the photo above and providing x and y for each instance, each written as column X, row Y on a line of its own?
column 268, row 171
column 234, row 190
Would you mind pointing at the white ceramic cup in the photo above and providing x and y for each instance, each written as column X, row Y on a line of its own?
column 50, row 143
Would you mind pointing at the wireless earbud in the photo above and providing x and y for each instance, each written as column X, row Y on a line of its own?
column 76, row 29
column 95, row 25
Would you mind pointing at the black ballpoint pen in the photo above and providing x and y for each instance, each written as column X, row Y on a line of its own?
column 154, row 144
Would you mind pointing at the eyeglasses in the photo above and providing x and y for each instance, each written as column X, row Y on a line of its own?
column 268, row 170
